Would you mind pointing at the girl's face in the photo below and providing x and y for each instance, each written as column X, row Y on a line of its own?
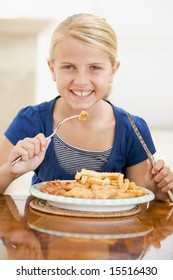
column 82, row 73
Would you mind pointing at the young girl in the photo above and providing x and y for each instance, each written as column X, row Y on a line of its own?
column 83, row 65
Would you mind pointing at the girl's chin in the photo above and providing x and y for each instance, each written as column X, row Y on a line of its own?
column 81, row 107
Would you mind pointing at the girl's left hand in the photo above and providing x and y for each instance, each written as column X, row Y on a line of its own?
column 159, row 179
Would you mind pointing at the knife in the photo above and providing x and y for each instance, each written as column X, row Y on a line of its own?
column 149, row 154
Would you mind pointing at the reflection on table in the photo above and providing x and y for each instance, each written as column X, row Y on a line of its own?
column 30, row 234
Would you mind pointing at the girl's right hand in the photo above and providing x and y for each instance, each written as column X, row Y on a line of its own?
column 32, row 151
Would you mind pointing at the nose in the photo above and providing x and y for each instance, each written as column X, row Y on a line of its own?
column 80, row 77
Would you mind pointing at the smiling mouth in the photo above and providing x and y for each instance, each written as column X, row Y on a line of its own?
column 82, row 93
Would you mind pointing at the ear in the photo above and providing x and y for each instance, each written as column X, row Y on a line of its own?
column 114, row 70
column 51, row 67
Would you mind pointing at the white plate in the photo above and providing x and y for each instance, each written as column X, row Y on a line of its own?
column 90, row 205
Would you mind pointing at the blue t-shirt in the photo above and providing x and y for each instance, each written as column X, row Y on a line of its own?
column 127, row 149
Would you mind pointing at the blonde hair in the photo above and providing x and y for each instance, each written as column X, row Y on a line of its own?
column 88, row 28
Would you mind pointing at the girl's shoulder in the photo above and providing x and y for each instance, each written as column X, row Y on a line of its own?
column 39, row 108
column 122, row 117
column 30, row 121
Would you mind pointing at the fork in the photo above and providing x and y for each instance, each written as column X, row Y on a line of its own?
column 149, row 154
column 82, row 117
column 61, row 122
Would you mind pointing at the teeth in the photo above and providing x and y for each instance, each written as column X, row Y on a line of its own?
column 82, row 93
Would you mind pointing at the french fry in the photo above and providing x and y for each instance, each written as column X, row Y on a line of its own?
column 95, row 185
column 83, row 115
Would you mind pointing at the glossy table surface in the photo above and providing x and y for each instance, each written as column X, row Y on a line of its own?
column 29, row 234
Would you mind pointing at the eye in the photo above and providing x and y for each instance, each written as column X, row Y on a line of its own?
column 95, row 67
column 69, row 66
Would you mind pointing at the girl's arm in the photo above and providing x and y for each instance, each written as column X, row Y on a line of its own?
column 136, row 173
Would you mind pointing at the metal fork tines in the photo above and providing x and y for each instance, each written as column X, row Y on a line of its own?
column 149, row 154
column 60, row 123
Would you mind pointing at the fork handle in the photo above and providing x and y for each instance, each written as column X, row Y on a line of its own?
column 16, row 160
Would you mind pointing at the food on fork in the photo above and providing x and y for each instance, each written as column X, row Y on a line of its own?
column 83, row 115
column 95, row 185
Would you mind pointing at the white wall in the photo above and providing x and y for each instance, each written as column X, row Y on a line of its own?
column 144, row 84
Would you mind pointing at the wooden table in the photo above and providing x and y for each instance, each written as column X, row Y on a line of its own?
column 29, row 234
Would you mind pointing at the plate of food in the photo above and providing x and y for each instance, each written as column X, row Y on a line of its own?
column 93, row 191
